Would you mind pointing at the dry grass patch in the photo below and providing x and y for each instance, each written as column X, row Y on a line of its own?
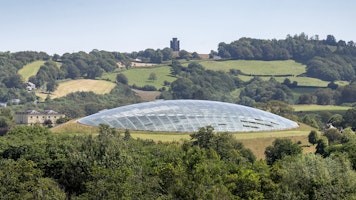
column 73, row 127
column 82, row 85
column 258, row 145
column 313, row 107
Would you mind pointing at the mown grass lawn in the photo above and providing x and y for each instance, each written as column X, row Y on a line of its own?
column 30, row 69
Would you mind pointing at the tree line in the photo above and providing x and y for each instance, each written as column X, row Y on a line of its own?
column 36, row 163
column 326, row 59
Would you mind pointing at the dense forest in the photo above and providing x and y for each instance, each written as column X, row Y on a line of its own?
column 109, row 164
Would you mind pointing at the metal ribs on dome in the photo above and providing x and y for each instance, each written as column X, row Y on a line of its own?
column 189, row 116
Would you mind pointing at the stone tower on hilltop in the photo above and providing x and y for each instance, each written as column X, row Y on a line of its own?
column 175, row 44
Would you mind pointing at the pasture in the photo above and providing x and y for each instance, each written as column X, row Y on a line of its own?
column 257, row 67
column 96, row 86
column 139, row 76
column 302, row 81
column 280, row 70
column 30, row 69
column 319, row 108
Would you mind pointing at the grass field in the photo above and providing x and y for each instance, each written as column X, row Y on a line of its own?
column 257, row 67
column 302, row 81
column 314, row 108
column 30, row 69
column 139, row 76
column 256, row 141
column 342, row 83
column 96, row 86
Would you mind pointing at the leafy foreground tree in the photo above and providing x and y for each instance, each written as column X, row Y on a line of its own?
column 224, row 144
column 310, row 176
column 37, row 164
column 280, row 149
column 313, row 137
column 22, row 180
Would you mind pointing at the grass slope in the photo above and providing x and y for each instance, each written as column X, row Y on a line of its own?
column 302, row 81
column 318, row 108
column 266, row 69
column 257, row 67
column 96, row 86
column 139, row 76
column 30, row 69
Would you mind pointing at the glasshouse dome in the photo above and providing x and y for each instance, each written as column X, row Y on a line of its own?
column 189, row 116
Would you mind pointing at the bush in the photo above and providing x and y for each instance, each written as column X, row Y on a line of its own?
column 145, row 87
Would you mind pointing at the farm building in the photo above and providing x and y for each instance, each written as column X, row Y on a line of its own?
column 30, row 86
column 32, row 117
column 189, row 116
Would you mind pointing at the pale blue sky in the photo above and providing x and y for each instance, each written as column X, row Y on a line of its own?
column 59, row 26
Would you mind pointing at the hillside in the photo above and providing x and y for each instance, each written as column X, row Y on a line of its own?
column 280, row 70
column 258, row 67
column 30, row 69
column 64, row 88
column 139, row 76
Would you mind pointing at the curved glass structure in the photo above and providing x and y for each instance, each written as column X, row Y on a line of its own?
column 189, row 116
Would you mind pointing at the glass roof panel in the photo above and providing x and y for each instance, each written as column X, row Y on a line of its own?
column 189, row 116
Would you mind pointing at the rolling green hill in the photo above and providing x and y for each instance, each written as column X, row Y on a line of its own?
column 257, row 67
column 30, row 69
column 280, row 70
column 139, row 76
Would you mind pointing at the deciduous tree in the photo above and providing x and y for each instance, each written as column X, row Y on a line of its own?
column 280, row 149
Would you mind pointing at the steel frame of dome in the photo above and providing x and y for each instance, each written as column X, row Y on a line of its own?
column 189, row 116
